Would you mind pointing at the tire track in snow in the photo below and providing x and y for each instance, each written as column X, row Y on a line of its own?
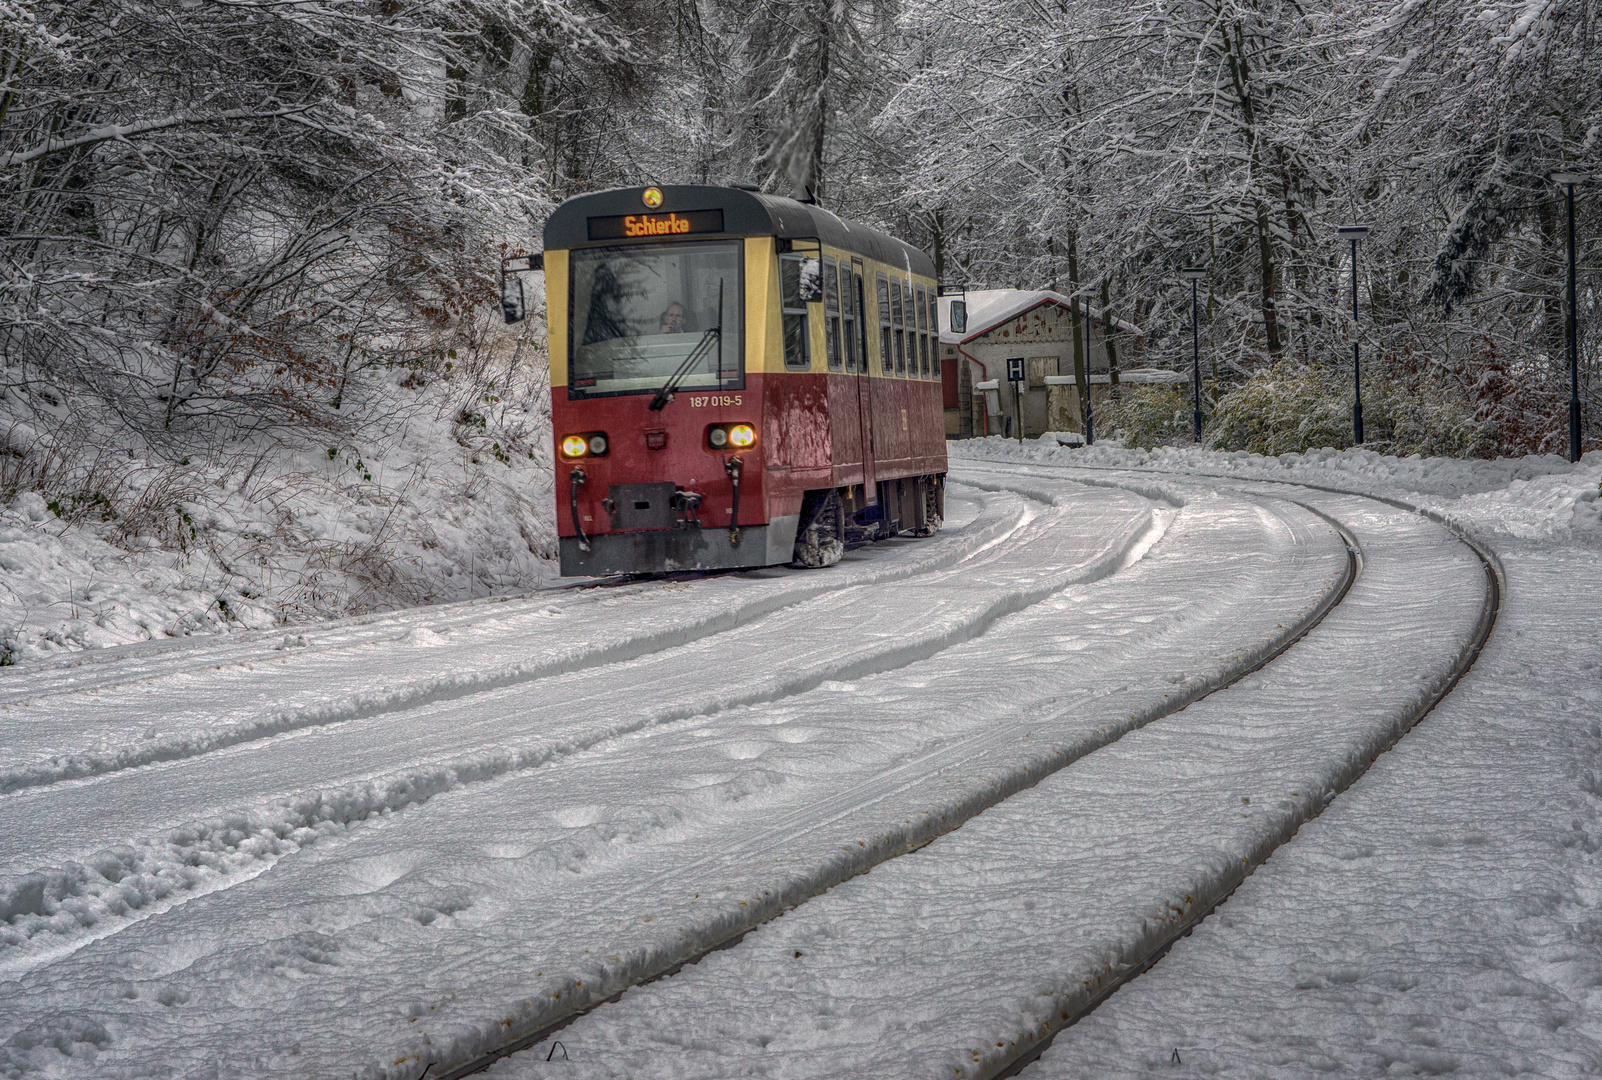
column 80, row 901
column 991, row 529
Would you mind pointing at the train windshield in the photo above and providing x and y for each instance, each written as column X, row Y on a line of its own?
column 640, row 312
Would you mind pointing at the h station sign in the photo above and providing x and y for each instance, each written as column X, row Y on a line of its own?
column 1016, row 375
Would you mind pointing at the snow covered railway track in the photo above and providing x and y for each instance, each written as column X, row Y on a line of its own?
column 961, row 959
column 608, row 866
column 1490, row 607
column 86, row 857
column 1137, row 967
column 86, row 717
column 894, row 808
column 547, row 1034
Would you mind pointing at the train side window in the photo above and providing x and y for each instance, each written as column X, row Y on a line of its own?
column 884, row 326
column 923, row 332
column 831, row 313
column 912, row 331
column 797, row 348
column 848, row 307
column 934, row 334
column 859, row 310
column 898, row 317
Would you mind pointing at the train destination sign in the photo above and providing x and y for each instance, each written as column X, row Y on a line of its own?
column 640, row 226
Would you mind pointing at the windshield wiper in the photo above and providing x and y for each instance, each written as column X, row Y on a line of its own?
column 715, row 333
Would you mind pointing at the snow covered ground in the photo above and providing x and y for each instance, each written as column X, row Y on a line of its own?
column 413, row 838
column 448, row 500
column 948, row 961
column 1456, row 885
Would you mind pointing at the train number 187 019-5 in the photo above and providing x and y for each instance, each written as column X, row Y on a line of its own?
column 701, row 401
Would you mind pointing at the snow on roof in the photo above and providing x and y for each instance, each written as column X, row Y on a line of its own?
column 989, row 308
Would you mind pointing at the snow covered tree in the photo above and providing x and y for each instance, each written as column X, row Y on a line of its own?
column 217, row 212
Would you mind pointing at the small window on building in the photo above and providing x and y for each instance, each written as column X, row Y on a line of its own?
column 884, row 325
column 831, row 313
column 797, row 346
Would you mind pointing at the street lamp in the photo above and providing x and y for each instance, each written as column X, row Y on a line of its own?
column 1194, row 275
column 1568, row 180
column 1354, row 233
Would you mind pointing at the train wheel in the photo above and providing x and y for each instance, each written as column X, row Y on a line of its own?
column 820, row 541
column 930, row 519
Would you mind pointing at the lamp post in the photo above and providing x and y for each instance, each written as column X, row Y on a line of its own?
column 1354, row 233
column 1194, row 274
column 1568, row 180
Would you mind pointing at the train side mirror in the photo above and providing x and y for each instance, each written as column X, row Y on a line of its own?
column 513, row 306
column 959, row 316
column 811, row 288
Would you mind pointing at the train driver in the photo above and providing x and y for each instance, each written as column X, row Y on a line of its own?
column 672, row 319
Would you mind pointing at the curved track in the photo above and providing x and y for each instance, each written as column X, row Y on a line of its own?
column 967, row 957
column 548, row 840
column 169, row 701
column 338, row 773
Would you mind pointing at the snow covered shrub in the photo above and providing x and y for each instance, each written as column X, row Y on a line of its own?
column 1407, row 409
column 1290, row 407
column 241, row 236
column 1148, row 416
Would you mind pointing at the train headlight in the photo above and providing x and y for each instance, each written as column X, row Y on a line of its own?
column 730, row 436
column 575, row 446
column 597, row 444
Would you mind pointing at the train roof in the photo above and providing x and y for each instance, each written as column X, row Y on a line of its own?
column 745, row 213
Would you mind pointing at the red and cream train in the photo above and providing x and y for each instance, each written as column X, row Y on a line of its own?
column 737, row 380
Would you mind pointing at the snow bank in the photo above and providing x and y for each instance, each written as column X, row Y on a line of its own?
column 1541, row 497
column 451, row 501
column 65, row 588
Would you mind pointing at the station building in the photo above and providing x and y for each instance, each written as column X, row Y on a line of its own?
column 1037, row 326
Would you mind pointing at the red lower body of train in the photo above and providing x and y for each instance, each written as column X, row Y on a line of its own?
column 837, row 460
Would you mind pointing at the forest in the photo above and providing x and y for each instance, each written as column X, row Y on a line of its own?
column 240, row 229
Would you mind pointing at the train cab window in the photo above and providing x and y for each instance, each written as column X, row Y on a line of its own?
column 898, row 318
column 848, row 306
column 831, row 313
column 639, row 313
column 797, row 346
column 923, row 332
column 885, row 366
